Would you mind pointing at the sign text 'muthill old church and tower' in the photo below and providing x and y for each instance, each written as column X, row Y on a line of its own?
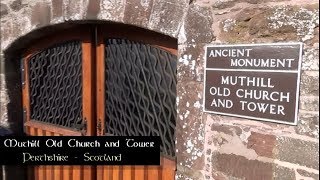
column 258, row 81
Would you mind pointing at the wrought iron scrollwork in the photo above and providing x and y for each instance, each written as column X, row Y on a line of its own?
column 55, row 79
column 140, row 92
column 81, row 126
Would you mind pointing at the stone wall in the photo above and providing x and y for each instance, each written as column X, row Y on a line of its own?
column 234, row 148
column 208, row 146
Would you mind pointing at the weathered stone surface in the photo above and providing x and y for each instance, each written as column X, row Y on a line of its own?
column 279, row 23
column 311, row 59
column 303, row 20
column 112, row 10
column 304, row 153
column 74, row 9
column 238, row 167
column 263, row 144
column 315, row 39
column 16, row 5
column 187, row 173
column 308, row 124
column 57, row 9
column 190, row 125
column 258, row 24
column 167, row 17
column 230, row 130
column 283, row 173
column 222, row 4
column 309, row 83
column 222, row 136
column 41, row 14
column 242, row 168
column 197, row 17
column 181, row 2
column 4, row 10
column 225, row 137
column 4, row 101
column 248, row 24
column 191, row 62
column 260, row 1
column 220, row 176
column 13, row 28
column 138, row 12
column 308, row 175
column 6, row 30
column 20, row 26
column 93, row 9
column 309, row 103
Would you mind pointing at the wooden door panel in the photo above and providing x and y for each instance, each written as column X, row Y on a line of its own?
column 50, row 107
column 166, row 171
column 120, row 51
column 139, row 172
column 41, row 129
column 56, row 172
column 67, row 172
column 48, row 169
column 153, row 172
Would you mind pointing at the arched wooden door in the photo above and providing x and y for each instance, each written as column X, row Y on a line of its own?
column 136, row 96
column 102, row 81
column 58, row 95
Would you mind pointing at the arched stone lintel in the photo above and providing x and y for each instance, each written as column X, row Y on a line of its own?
column 41, row 17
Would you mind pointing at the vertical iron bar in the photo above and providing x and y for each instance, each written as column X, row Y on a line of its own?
column 22, row 72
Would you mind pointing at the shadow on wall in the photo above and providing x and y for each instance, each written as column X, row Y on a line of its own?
column 15, row 117
column 14, row 91
column 12, row 71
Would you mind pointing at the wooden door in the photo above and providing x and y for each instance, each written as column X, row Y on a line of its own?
column 71, row 86
column 58, row 95
column 136, row 94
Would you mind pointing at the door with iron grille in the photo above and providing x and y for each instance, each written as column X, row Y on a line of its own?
column 102, row 81
column 137, row 96
column 57, row 95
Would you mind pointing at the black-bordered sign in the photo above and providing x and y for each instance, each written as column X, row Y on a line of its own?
column 80, row 150
column 254, row 81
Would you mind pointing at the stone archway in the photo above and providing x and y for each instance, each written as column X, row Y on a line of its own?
column 164, row 17
column 25, row 21
column 37, row 19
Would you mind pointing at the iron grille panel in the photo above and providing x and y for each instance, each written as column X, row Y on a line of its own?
column 140, row 92
column 56, row 85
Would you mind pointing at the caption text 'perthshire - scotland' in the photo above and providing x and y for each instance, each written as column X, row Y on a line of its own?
column 80, row 150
